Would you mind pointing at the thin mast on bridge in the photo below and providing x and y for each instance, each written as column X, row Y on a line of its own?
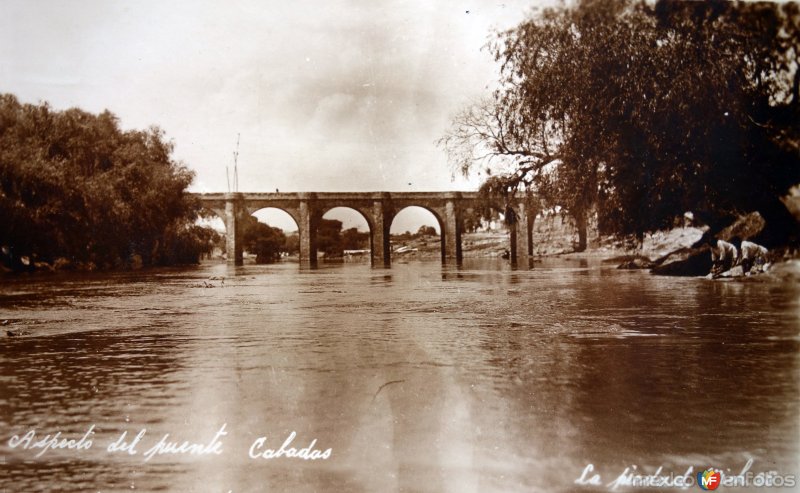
column 235, row 168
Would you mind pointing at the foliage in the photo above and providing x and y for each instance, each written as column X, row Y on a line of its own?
column 473, row 218
column 642, row 111
column 263, row 240
column 353, row 239
column 329, row 238
column 74, row 185
column 421, row 233
column 185, row 244
column 426, row 231
column 292, row 245
column 332, row 241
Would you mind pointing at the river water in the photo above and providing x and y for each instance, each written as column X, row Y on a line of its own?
column 418, row 378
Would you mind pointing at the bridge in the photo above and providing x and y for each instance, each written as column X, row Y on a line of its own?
column 377, row 208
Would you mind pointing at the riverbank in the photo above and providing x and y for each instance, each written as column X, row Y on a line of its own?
column 497, row 243
column 608, row 250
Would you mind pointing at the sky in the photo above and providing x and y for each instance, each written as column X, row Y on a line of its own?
column 337, row 95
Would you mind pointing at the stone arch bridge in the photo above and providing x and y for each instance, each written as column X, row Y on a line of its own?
column 378, row 208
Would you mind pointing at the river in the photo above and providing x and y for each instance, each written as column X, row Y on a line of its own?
column 422, row 377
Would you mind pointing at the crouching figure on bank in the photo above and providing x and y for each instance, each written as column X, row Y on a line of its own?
column 753, row 256
column 724, row 255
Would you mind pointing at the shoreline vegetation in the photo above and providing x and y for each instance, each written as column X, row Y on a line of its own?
column 604, row 252
column 79, row 194
column 554, row 236
column 638, row 113
column 689, row 116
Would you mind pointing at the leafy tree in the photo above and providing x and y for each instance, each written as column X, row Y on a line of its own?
column 426, row 231
column 329, row 238
column 74, row 185
column 206, row 238
column 292, row 244
column 263, row 240
column 353, row 239
column 642, row 111
column 185, row 244
column 473, row 218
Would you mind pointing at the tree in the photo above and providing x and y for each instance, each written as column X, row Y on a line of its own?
column 265, row 241
column 473, row 218
column 185, row 244
column 642, row 111
column 73, row 185
column 426, row 231
column 353, row 239
column 292, row 244
column 329, row 238
column 207, row 239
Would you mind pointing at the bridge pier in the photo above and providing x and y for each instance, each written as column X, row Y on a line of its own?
column 307, row 229
column 380, row 247
column 451, row 234
column 233, row 227
column 522, row 236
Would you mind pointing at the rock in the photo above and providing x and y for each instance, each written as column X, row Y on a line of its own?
column 17, row 333
column 745, row 227
column 787, row 271
column 660, row 243
column 696, row 260
column 736, row 271
column 684, row 262
column 635, row 262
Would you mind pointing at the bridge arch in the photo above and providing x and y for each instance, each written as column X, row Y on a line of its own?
column 206, row 212
column 333, row 211
column 428, row 213
column 364, row 213
column 410, row 208
column 277, row 218
column 211, row 217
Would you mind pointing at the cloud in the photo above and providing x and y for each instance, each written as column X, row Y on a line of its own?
column 337, row 95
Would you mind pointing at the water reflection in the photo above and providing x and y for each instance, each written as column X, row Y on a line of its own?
column 422, row 378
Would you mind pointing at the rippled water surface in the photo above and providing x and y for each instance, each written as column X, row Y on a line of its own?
column 418, row 378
